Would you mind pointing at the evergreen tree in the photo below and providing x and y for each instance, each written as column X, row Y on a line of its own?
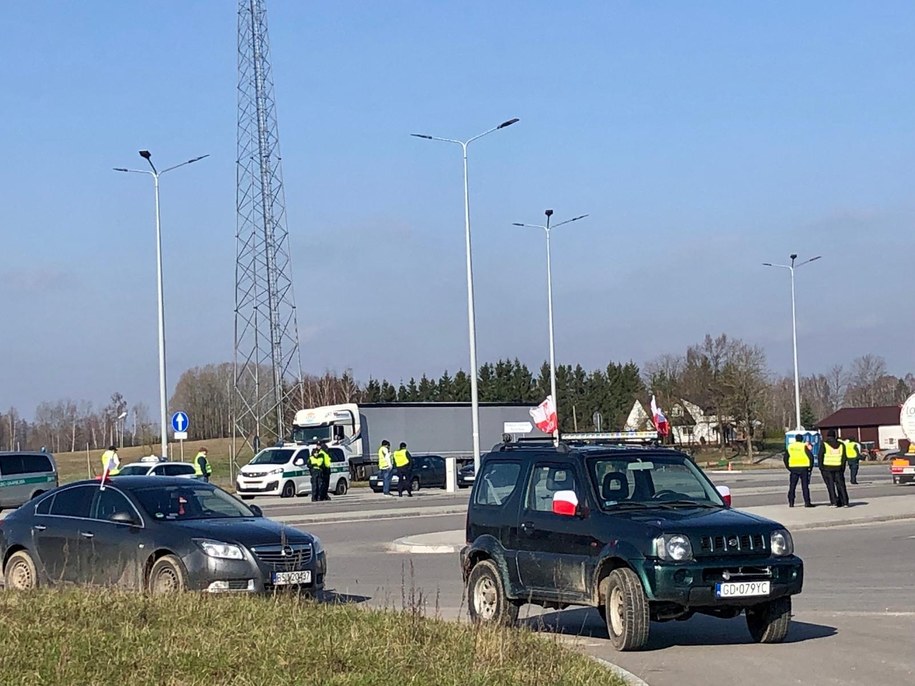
column 461, row 386
column 446, row 388
column 427, row 391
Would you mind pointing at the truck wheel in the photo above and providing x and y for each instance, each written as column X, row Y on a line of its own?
column 288, row 490
column 341, row 488
column 768, row 623
column 20, row 573
column 626, row 610
column 486, row 596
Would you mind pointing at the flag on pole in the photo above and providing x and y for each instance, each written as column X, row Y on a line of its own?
column 658, row 419
column 544, row 416
column 112, row 462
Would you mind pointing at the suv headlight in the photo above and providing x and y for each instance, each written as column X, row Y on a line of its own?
column 674, row 547
column 220, row 550
column 781, row 543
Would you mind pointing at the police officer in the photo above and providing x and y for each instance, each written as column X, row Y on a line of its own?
column 403, row 462
column 799, row 461
column 111, row 461
column 315, row 461
column 853, row 456
column 324, row 457
column 832, row 467
column 202, row 467
column 385, row 466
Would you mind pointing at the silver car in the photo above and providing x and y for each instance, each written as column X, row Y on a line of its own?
column 24, row 475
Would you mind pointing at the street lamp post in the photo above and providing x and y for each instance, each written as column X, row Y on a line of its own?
column 797, row 382
column 549, row 297
column 145, row 154
column 471, row 317
column 119, row 429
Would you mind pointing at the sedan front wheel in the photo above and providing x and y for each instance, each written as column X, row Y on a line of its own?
column 20, row 573
column 167, row 576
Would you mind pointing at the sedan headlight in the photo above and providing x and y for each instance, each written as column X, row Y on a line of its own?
column 220, row 550
column 781, row 543
column 673, row 547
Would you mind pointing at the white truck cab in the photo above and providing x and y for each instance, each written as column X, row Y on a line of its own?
column 283, row 471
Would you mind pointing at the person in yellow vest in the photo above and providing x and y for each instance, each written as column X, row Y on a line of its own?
column 403, row 463
column 324, row 456
column 315, row 462
column 799, row 461
column 202, row 467
column 853, row 456
column 832, row 467
column 111, row 461
column 385, row 466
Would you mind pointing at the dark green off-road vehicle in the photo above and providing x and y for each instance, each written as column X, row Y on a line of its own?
column 640, row 533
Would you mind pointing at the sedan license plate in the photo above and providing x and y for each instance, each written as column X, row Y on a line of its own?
column 908, row 470
column 286, row 578
column 743, row 589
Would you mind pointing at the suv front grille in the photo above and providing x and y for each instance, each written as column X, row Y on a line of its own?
column 284, row 557
column 730, row 544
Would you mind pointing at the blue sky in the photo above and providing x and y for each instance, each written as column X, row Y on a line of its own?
column 702, row 138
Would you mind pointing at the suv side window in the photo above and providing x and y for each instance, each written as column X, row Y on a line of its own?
column 496, row 483
column 544, row 482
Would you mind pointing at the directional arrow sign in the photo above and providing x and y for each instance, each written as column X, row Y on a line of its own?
column 180, row 422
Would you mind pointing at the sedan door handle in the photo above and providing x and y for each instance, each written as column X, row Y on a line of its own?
column 39, row 527
column 527, row 527
column 87, row 534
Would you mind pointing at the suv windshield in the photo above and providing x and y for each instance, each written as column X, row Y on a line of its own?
column 656, row 480
column 190, row 502
column 273, row 456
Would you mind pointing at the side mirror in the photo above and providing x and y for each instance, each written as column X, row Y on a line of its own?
column 124, row 518
column 725, row 494
column 565, row 503
column 256, row 510
column 299, row 461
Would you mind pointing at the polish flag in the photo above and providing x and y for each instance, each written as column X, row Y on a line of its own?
column 544, row 416
column 110, row 464
column 565, row 503
column 658, row 419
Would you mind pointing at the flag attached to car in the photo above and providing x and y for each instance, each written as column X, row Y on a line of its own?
column 544, row 416
column 658, row 419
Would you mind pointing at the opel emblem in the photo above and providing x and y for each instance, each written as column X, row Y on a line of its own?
column 287, row 551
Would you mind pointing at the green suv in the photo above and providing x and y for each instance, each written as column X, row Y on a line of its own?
column 640, row 533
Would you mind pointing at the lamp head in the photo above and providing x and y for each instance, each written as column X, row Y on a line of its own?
column 145, row 154
column 793, row 257
column 549, row 213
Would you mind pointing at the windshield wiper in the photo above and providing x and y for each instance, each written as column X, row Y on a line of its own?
column 687, row 503
column 626, row 504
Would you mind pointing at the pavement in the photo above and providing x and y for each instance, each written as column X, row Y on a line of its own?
column 793, row 518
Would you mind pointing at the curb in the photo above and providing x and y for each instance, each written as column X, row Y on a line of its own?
column 851, row 522
column 370, row 515
column 627, row 676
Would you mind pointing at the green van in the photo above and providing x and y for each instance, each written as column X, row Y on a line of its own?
column 24, row 475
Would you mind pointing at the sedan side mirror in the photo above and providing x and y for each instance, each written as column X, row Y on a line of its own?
column 124, row 518
column 256, row 510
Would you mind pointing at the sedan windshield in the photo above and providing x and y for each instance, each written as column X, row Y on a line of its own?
column 134, row 470
column 273, row 456
column 665, row 481
column 194, row 501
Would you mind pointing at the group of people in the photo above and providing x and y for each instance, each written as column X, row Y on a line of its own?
column 833, row 456
column 319, row 467
column 111, row 463
column 399, row 462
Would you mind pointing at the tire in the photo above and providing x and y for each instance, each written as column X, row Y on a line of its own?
column 20, row 573
column 414, row 483
column 288, row 490
column 167, row 576
column 769, row 622
column 626, row 610
column 342, row 487
column 486, row 596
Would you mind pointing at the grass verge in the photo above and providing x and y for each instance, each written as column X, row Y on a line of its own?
column 78, row 637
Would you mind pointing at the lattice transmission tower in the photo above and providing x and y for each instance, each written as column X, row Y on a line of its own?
column 268, row 367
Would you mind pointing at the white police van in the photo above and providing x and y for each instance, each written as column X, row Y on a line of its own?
column 283, row 471
column 24, row 475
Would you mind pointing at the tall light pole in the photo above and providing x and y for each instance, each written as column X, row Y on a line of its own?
column 797, row 382
column 145, row 154
column 471, row 317
column 119, row 429
column 549, row 298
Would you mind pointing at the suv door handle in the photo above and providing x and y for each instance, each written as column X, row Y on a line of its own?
column 39, row 527
column 87, row 534
column 527, row 527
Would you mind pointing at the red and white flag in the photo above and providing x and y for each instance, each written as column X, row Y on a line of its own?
column 544, row 416
column 111, row 463
column 658, row 419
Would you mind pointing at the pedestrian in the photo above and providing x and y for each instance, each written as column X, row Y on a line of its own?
column 799, row 462
column 853, row 456
column 202, row 467
column 314, row 469
column 385, row 466
column 110, row 461
column 324, row 457
column 403, row 462
column 832, row 467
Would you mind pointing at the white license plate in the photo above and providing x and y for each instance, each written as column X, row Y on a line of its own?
column 743, row 589
column 908, row 470
column 286, row 578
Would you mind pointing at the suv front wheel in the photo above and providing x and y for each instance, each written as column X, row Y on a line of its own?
column 486, row 596
column 768, row 623
column 625, row 609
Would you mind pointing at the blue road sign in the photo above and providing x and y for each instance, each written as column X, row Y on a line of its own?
column 180, row 421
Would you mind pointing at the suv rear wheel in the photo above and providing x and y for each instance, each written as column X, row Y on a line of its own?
column 486, row 596
column 625, row 609
column 768, row 623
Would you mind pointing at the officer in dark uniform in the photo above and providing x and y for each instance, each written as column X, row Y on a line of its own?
column 799, row 461
column 324, row 456
column 315, row 462
column 832, row 467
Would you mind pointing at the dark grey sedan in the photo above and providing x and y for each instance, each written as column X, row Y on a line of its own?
column 161, row 534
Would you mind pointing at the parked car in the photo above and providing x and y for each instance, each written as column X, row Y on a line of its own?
column 25, row 475
column 640, row 533
column 184, row 469
column 466, row 475
column 159, row 534
column 428, row 472
column 283, row 471
column 902, row 467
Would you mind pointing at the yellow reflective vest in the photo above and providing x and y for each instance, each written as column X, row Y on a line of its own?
column 106, row 457
column 384, row 458
column 198, row 470
column 851, row 449
column 797, row 456
column 400, row 458
column 832, row 457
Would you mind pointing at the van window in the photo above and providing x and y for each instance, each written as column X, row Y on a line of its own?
column 24, row 464
column 497, row 483
column 336, row 455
